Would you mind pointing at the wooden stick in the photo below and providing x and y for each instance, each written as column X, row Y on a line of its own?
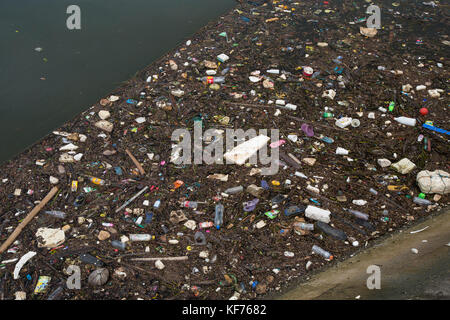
column 162, row 258
column 27, row 219
column 138, row 165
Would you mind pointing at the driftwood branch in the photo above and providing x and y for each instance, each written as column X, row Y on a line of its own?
column 28, row 218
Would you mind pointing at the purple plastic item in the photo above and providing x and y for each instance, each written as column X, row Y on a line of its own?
column 250, row 205
column 307, row 129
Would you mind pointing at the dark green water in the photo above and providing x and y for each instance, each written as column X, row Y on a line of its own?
column 117, row 39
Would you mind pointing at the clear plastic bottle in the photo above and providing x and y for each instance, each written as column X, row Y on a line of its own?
column 322, row 252
column 118, row 244
column 304, row 226
column 373, row 191
column 56, row 293
column 210, row 80
column 359, row 214
column 234, row 190
column 422, row 202
column 56, row 214
column 190, row 204
column 141, row 237
column 218, row 219
column 204, row 225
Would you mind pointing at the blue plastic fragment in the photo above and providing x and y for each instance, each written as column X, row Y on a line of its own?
column 433, row 128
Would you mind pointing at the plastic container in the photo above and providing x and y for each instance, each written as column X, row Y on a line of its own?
column 301, row 175
column 118, row 244
column 341, row 151
column 204, row 225
column 294, row 210
column 56, row 214
column 359, row 214
column 422, row 202
column 210, row 80
column 355, row 123
column 406, row 121
column 308, row 71
column 317, row 214
column 234, row 190
column 343, row 122
column 290, row 106
column 97, row 181
column 199, row 238
column 190, row 204
column 304, row 226
column 218, row 219
column 322, row 252
column 329, row 230
column 56, row 294
column 141, row 237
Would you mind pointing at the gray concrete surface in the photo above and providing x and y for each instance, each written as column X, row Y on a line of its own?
column 404, row 274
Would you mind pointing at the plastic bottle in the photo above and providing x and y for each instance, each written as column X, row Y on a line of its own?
column 234, row 190
column 406, row 121
column 301, row 175
column 190, row 204
column 97, row 181
column 56, row 214
column 373, row 191
column 210, row 80
column 141, row 237
column 323, row 253
column 422, row 202
column 204, row 225
column 218, row 219
column 359, row 214
column 335, row 233
column 118, row 244
column 55, row 294
column 328, row 115
column 304, row 226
